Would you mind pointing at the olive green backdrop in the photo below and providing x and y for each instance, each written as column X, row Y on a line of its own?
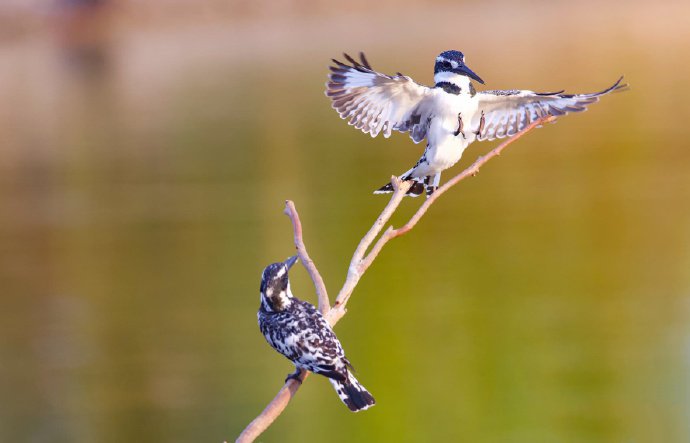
column 144, row 161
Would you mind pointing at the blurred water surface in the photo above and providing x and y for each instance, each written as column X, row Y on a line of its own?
column 143, row 171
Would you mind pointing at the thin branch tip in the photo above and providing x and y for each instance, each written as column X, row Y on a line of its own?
column 288, row 207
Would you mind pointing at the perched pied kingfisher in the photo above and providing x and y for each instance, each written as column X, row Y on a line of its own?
column 451, row 115
column 297, row 330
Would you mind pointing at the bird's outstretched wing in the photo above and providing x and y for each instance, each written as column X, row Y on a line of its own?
column 375, row 102
column 508, row 112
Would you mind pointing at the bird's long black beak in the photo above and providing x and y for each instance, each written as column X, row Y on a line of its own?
column 291, row 261
column 463, row 69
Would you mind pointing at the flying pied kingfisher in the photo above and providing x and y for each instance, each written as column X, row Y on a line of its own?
column 451, row 115
column 297, row 330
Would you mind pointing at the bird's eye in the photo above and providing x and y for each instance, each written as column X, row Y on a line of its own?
column 445, row 64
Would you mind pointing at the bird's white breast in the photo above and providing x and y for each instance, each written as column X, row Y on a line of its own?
column 445, row 148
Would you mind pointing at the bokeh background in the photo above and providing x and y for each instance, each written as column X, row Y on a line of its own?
column 146, row 149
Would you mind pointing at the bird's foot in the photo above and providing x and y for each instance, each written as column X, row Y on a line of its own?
column 430, row 190
column 460, row 127
column 416, row 189
column 479, row 131
column 297, row 376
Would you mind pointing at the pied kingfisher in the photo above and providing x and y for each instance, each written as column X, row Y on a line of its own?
column 451, row 115
column 297, row 330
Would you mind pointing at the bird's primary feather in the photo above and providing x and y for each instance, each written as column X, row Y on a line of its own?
column 508, row 112
column 378, row 103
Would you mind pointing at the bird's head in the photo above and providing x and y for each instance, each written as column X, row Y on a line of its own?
column 275, row 286
column 451, row 64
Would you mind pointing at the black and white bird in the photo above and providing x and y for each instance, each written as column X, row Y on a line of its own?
column 297, row 330
column 450, row 116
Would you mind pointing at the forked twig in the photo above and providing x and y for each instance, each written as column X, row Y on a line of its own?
column 358, row 265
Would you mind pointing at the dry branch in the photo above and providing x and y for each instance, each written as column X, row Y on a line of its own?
column 358, row 265
column 321, row 293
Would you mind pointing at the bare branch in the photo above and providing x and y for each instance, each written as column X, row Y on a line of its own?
column 321, row 293
column 356, row 269
column 272, row 411
column 358, row 265
column 289, row 389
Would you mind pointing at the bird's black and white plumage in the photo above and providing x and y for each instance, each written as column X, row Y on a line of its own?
column 297, row 330
column 450, row 116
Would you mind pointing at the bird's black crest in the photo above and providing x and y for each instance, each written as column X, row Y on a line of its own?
column 272, row 277
column 453, row 55
column 445, row 60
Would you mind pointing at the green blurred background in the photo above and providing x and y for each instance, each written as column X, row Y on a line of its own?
column 146, row 149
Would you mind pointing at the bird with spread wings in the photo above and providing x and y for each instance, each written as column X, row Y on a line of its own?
column 450, row 115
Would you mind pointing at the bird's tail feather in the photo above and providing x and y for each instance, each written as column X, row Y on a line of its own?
column 353, row 394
